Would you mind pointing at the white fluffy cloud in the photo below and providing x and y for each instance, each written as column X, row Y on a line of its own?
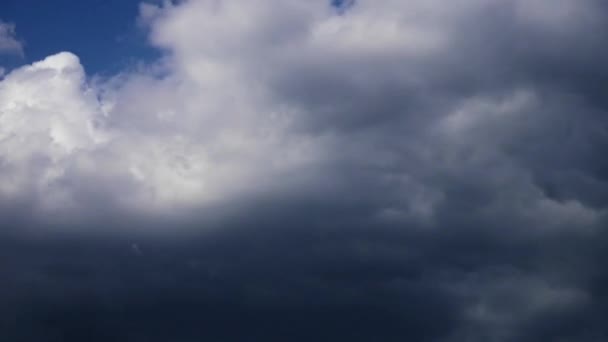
column 197, row 135
column 258, row 96
column 165, row 142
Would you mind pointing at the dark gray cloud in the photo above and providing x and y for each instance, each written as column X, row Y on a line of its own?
column 391, row 171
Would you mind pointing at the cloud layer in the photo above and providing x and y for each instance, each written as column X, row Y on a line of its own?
column 358, row 170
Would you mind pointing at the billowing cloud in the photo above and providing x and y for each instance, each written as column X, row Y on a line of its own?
column 362, row 170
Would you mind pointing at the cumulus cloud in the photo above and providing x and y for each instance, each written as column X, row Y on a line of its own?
column 411, row 169
column 167, row 141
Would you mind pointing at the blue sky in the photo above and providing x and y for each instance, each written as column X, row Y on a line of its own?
column 103, row 33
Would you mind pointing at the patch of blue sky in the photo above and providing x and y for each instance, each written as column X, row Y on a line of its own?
column 342, row 5
column 103, row 33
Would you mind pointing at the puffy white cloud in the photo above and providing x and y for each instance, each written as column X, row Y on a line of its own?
column 46, row 116
column 142, row 142
column 166, row 141
column 257, row 96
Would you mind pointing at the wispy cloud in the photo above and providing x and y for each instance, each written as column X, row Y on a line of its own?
column 9, row 44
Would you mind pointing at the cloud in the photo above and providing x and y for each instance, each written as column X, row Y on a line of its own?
column 137, row 143
column 391, row 170
column 8, row 41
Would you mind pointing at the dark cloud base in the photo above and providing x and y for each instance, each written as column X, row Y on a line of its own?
column 271, row 279
column 272, row 285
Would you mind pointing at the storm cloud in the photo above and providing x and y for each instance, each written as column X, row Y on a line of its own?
column 314, row 170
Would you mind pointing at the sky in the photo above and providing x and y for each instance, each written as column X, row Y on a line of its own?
column 103, row 33
column 234, row 170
